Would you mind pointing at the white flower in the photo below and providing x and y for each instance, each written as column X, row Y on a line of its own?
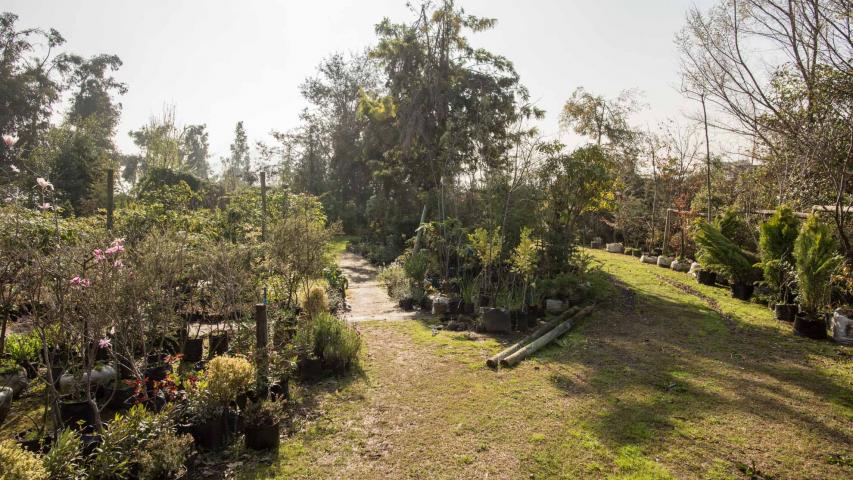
column 10, row 140
column 16, row 169
column 44, row 184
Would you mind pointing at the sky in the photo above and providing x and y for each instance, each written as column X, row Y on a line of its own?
column 222, row 61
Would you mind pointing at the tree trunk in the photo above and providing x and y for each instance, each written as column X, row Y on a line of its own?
column 555, row 333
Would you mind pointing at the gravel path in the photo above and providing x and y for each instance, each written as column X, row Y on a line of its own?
column 366, row 297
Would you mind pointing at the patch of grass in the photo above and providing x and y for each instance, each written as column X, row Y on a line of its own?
column 653, row 385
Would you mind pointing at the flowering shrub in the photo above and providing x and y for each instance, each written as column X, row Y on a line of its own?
column 19, row 464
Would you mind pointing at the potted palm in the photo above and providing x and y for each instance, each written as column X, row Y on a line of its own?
column 263, row 424
column 722, row 255
column 776, row 246
column 815, row 251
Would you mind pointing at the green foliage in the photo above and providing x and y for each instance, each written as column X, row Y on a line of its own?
column 335, row 343
column 23, row 347
column 815, row 250
column 416, row 266
column 19, row 464
column 263, row 413
column 776, row 245
column 166, row 458
column 396, row 281
column 526, row 255
column 129, row 441
column 732, row 226
column 487, row 245
column 723, row 256
column 64, row 461
column 228, row 377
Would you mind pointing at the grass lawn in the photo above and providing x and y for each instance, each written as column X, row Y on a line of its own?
column 654, row 385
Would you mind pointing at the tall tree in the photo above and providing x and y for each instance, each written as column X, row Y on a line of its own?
column 196, row 150
column 239, row 163
column 794, row 103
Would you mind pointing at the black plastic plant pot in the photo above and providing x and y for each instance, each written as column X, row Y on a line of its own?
column 785, row 312
column 809, row 326
column 193, row 349
column 76, row 414
column 454, row 306
column 123, row 397
column 407, row 304
column 280, row 389
column 468, row 308
column 209, row 435
column 218, row 343
column 637, row 253
column 310, row 368
column 426, row 304
column 706, row 277
column 262, row 437
column 742, row 291
column 35, row 445
column 158, row 373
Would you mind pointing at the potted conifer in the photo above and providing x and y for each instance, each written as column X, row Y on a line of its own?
column 776, row 246
column 815, row 251
column 722, row 255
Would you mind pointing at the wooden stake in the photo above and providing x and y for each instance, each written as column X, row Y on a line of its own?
column 540, row 342
column 494, row 361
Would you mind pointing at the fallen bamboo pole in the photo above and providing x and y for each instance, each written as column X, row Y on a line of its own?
column 494, row 361
column 556, row 332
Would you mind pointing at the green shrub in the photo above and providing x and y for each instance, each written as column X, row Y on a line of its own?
column 64, row 461
column 776, row 246
column 23, row 347
column 396, row 282
column 723, row 256
column 335, row 343
column 228, row 377
column 19, row 464
column 733, row 227
column 166, row 458
column 815, row 251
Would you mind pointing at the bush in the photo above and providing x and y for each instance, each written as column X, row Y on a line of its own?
column 723, row 256
column 815, row 252
column 263, row 413
column 733, row 227
column 228, row 377
column 396, row 282
column 167, row 459
column 23, row 347
column 316, row 302
column 776, row 245
column 335, row 343
column 64, row 461
column 19, row 464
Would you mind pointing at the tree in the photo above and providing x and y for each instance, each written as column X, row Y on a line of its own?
column 195, row 149
column 599, row 118
column 795, row 104
column 239, row 163
column 574, row 183
column 31, row 80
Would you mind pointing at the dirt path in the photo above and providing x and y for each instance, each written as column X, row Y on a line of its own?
column 366, row 297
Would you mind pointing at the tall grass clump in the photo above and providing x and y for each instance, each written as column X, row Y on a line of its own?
column 336, row 344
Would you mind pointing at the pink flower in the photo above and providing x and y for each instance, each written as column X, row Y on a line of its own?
column 114, row 249
column 16, row 169
column 44, row 184
column 10, row 140
column 77, row 281
column 105, row 343
column 99, row 255
column 45, row 206
column 118, row 263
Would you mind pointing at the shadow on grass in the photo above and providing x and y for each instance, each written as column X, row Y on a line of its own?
column 662, row 364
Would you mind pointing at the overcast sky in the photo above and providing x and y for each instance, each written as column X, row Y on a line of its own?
column 223, row 61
